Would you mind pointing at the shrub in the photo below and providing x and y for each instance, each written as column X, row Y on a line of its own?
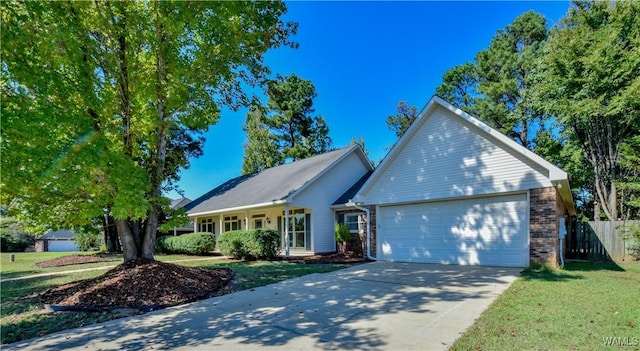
column 250, row 244
column 194, row 244
column 631, row 234
column 87, row 240
column 343, row 234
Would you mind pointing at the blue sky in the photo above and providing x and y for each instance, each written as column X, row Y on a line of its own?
column 363, row 58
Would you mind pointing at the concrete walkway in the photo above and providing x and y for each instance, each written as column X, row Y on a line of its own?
column 375, row 306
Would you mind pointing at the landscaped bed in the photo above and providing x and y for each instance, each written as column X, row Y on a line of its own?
column 140, row 284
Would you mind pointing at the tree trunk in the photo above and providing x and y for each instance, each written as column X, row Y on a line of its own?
column 138, row 237
column 110, row 234
column 130, row 248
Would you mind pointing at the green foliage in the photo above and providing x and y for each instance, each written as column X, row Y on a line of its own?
column 589, row 78
column 14, row 236
column 504, row 78
column 631, row 234
column 497, row 87
column 629, row 184
column 87, row 239
column 104, row 102
column 250, row 244
column 343, row 234
column 402, row 120
column 284, row 128
column 460, row 87
column 260, row 148
column 193, row 244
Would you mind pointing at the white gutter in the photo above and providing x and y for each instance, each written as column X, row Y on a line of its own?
column 366, row 210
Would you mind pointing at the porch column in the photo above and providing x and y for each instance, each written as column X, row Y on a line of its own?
column 195, row 225
column 221, row 219
column 286, row 231
column 246, row 220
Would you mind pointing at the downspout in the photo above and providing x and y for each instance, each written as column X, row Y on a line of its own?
column 366, row 210
column 562, row 233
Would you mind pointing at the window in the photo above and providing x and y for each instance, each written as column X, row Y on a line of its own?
column 352, row 221
column 258, row 221
column 231, row 223
column 207, row 225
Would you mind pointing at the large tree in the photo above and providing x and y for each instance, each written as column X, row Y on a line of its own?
column 260, row 147
column 504, row 78
column 460, row 87
column 103, row 102
column 590, row 80
column 286, row 124
column 497, row 87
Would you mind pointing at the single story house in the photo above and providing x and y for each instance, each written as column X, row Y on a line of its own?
column 56, row 241
column 294, row 198
column 451, row 190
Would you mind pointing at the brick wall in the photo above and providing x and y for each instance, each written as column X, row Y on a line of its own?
column 544, row 212
column 374, row 226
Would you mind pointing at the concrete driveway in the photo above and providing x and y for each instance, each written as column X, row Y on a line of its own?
column 374, row 306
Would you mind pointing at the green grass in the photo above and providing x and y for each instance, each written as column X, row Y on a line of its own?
column 25, row 262
column 553, row 309
column 22, row 316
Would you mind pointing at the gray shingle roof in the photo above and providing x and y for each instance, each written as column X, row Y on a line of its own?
column 62, row 234
column 267, row 186
column 349, row 194
column 179, row 203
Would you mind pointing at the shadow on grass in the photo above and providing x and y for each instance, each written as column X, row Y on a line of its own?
column 587, row 266
column 544, row 272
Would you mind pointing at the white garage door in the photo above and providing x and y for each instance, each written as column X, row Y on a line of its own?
column 490, row 231
column 62, row 245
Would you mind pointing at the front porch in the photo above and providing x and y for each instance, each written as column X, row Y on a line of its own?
column 293, row 224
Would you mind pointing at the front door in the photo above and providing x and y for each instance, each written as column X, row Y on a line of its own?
column 297, row 227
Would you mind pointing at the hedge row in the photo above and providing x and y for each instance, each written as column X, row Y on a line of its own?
column 195, row 244
column 250, row 244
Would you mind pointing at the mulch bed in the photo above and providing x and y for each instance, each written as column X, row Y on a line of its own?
column 142, row 284
column 73, row 259
column 348, row 257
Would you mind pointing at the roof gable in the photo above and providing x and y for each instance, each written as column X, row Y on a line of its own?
column 447, row 153
column 270, row 186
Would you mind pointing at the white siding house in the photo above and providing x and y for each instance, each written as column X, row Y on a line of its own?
column 453, row 190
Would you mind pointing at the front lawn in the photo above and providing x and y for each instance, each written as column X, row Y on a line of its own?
column 586, row 306
column 22, row 316
column 25, row 262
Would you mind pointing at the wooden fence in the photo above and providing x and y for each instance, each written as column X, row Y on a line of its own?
column 600, row 241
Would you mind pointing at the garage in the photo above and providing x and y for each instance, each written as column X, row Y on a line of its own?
column 454, row 190
column 490, row 231
column 62, row 246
